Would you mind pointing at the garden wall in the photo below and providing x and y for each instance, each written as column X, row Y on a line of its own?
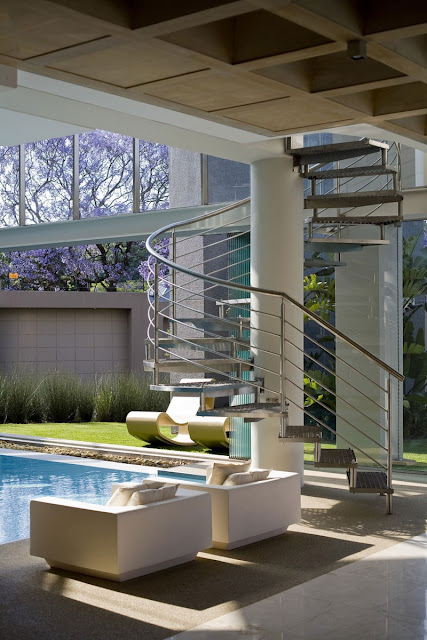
column 87, row 333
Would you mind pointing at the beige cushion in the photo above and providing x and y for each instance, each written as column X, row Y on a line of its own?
column 221, row 471
column 152, row 484
column 121, row 492
column 247, row 477
column 146, row 496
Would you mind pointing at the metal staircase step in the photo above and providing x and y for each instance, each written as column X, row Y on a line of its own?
column 210, row 389
column 339, row 458
column 198, row 365
column 370, row 482
column 251, row 412
column 360, row 199
column 303, row 433
column 323, row 245
column 352, row 172
column 354, row 220
column 339, row 151
column 340, row 245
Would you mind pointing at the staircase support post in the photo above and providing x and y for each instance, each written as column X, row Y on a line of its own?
column 277, row 263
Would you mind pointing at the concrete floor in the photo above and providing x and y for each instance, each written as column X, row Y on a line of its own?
column 336, row 529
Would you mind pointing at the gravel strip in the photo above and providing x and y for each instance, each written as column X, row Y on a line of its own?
column 94, row 455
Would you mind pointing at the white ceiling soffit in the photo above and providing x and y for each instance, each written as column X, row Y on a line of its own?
column 75, row 107
column 18, row 128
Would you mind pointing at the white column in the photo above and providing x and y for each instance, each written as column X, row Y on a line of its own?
column 277, row 258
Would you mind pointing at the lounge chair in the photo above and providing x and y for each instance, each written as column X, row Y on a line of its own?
column 182, row 419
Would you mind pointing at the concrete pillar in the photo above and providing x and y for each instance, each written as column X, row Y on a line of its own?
column 369, row 310
column 277, row 264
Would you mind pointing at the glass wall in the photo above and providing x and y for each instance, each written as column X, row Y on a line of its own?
column 97, row 173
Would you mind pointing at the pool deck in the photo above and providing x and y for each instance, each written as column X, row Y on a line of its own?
column 321, row 579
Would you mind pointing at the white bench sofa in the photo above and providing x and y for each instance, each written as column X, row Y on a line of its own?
column 250, row 512
column 120, row 543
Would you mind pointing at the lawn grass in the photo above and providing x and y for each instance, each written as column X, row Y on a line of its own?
column 117, row 433
column 100, row 432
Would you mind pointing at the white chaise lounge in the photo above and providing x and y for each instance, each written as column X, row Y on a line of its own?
column 119, row 543
column 250, row 512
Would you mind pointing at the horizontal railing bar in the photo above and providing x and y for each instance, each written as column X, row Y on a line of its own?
column 236, row 359
column 213, row 244
column 226, row 375
column 377, row 424
column 354, row 446
column 171, row 318
column 232, row 339
column 209, row 231
column 200, row 347
column 320, row 364
column 334, row 355
column 332, row 412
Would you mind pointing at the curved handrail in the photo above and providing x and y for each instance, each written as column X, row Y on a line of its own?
column 269, row 292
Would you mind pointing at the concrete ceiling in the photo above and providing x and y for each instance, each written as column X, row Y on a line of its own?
column 261, row 68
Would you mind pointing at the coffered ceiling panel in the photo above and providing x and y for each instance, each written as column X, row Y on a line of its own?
column 128, row 64
column 269, row 66
column 211, row 91
column 330, row 72
column 31, row 30
column 254, row 35
column 288, row 114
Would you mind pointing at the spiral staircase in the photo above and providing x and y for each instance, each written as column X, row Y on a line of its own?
column 254, row 342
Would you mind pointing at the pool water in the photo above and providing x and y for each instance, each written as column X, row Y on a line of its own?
column 22, row 479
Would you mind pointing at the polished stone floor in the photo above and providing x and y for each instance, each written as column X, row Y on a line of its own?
column 380, row 597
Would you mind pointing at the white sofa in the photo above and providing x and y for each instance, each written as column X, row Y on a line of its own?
column 120, row 543
column 250, row 512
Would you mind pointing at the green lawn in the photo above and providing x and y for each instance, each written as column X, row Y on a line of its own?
column 116, row 433
column 101, row 432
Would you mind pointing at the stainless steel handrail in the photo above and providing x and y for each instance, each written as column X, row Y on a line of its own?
column 249, row 289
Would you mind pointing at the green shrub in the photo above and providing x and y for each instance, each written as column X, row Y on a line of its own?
column 17, row 396
column 64, row 397
column 103, row 399
column 60, row 392
column 86, row 401
column 415, row 416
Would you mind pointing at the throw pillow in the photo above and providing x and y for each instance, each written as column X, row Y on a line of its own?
column 245, row 478
column 148, row 496
column 122, row 493
column 221, row 471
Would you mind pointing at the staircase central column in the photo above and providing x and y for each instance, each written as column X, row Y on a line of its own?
column 277, row 262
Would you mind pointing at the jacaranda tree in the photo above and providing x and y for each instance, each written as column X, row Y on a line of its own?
column 105, row 188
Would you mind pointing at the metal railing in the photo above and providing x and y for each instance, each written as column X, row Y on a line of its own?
column 266, row 340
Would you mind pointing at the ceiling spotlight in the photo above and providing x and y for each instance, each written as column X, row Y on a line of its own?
column 356, row 49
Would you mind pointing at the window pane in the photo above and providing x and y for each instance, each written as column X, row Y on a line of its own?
column 106, row 163
column 154, row 175
column 9, row 186
column 49, row 180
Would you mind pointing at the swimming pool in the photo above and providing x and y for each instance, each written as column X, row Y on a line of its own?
column 23, row 478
